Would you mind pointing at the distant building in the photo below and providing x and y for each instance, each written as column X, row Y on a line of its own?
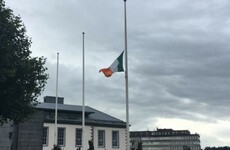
column 37, row 133
column 165, row 139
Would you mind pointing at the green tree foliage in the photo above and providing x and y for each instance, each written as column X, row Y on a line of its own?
column 56, row 147
column 217, row 148
column 91, row 147
column 22, row 77
column 139, row 146
column 185, row 147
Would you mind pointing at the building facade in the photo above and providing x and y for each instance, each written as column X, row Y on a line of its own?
column 165, row 139
column 103, row 131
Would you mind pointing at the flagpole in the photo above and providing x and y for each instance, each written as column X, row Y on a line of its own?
column 126, row 79
column 56, row 101
column 83, row 90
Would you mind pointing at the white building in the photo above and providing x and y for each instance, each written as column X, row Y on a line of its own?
column 37, row 133
column 165, row 139
column 69, row 137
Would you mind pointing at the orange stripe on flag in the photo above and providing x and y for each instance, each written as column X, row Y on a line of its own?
column 107, row 72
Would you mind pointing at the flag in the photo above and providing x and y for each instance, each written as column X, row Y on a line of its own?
column 117, row 66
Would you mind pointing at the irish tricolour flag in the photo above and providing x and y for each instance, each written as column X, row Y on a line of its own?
column 117, row 66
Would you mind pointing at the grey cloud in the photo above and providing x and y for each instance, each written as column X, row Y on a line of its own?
column 178, row 56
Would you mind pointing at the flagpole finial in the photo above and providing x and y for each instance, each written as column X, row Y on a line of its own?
column 83, row 32
column 125, row 0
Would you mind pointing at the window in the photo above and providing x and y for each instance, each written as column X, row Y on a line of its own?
column 101, row 138
column 78, row 137
column 61, row 137
column 45, row 136
column 115, row 139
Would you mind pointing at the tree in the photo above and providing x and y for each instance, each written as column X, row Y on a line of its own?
column 217, row 148
column 91, row 147
column 22, row 77
column 185, row 147
column 139, row 146
column 56, row 147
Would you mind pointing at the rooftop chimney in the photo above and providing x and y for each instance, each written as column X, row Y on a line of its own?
column 52, row 99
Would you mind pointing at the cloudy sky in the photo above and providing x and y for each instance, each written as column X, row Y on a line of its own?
column 179, row 58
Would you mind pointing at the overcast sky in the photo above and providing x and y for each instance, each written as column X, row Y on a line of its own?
column 179, row 58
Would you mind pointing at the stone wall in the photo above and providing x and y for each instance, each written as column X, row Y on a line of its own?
column 6, row 136
column 28, row 135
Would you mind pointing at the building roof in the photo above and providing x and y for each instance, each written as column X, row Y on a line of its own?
column 63, row 107
column 93, row 116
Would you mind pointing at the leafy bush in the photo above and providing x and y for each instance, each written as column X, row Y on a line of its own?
column 56, row 147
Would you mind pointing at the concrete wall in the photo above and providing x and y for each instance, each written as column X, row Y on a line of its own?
column 5, row 136
column 30, row 133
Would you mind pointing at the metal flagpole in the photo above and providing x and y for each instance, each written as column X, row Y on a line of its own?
column 126, row 79
column 56, row 101
column 83, row 91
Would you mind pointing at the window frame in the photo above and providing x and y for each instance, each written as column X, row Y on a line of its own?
column 76, row 137
column 47, row 137
column 64, row 136
column 116, row 138
column 103, row 139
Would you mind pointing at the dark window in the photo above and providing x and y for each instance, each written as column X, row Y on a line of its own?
column 115, row 139
column 51, row 115
column 61, row 137
column 78, row 136
column 45, row 136
column 101, row 138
